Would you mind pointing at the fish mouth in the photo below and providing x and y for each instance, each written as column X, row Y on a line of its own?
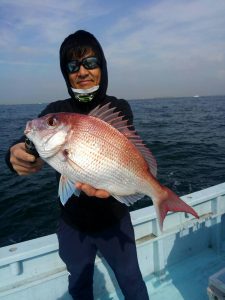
column 29, row 128
column 26, row 131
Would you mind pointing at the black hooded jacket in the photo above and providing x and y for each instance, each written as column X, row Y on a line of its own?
column 89, row 214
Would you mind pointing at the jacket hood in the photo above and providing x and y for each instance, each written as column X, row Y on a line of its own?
column 83, row 38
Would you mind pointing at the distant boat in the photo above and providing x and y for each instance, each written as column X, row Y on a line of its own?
column 196, row 96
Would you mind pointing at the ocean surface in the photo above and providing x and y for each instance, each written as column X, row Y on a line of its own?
column 186, row 135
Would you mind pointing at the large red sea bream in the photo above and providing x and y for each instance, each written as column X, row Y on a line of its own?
column 101, row 150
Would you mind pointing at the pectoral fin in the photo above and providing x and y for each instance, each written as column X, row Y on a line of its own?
column 66, row 189
column 69, row 157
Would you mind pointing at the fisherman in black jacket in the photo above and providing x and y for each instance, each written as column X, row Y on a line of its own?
column 94, row 220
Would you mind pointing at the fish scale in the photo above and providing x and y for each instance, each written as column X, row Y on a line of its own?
column 97, row 166
column 101, row 150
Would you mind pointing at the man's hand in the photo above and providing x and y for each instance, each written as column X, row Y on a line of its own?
column 24, row 163
column 90, row 191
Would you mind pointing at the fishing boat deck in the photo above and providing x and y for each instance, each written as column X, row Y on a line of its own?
column 187, row 280
column 176, row 264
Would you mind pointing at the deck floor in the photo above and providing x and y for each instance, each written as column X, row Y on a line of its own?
column 187, row 280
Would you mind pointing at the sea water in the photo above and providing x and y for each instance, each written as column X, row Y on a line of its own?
column 186, row 136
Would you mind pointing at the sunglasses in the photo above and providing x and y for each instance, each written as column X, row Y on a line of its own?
column 89, row 63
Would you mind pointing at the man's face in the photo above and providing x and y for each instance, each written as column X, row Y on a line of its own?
column 85, row 79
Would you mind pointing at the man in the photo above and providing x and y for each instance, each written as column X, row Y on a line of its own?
column 89, row 223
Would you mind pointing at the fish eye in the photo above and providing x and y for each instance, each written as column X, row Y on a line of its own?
column 51, row 121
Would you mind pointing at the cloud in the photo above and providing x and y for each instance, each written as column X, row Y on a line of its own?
column 166, row 43
column 168, row 31
column 42, row 24
column 151, row 46
column 171, row 24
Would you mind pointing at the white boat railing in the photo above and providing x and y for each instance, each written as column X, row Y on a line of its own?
column 33, row 269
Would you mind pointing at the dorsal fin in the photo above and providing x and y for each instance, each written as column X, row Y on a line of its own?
column 115, row 119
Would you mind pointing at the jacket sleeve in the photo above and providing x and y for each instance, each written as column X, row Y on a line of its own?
column 7, row 156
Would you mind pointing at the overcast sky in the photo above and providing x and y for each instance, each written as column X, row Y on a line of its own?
column 154, row 48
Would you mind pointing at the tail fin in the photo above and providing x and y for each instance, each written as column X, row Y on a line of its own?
column 169, row 201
